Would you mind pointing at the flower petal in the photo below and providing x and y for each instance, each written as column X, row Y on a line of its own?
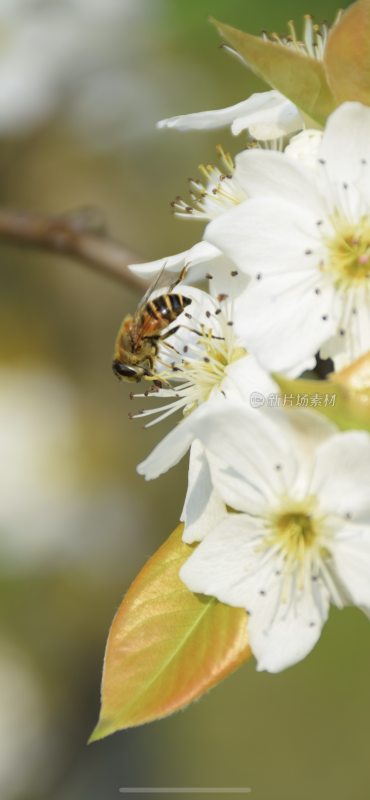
column 250, row 459
column 275, row 117
column 168, row 452
column 263, row 173
column 200, row 254
column 262, row 236
column 346, row 144
column 226, row 116
column 284, row 320
column 351, row 556
column 342, row 475
column 203, row 507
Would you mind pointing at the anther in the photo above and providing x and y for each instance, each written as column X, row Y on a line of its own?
column 131, row 395
column 314, row 577
column 308, row 252
column 233, row 273
column 342, row 331
column 262, row 592
column 278, row 467
column 317, row 291
column 320, row 222
column 248, row 612
column 222, row 297
column 185, row 349
column 230, row 323
column 141, row 410
column 277, row 572
column 348, row 515
column 259, row 276
column 324, row 317
column 206, row 359
column 158, row 384
column 363, row 161
column 354, row 311
column 208, row 276
column 345, row 186
column 146, row 393
column 321, row 161
column 208, row 314
column 188, row 315
column 130, row 416
column 312, row 624
column 218, row 311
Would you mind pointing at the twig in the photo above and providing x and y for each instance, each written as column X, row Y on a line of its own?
column 79, row 234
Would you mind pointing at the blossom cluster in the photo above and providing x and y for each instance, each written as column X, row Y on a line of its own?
column 277, row 495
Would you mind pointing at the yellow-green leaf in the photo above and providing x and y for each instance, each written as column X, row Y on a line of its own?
column 167, row 646
column 299, row 77
column 347, row 54
column 350, row 389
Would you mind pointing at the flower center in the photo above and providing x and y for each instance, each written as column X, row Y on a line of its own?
column 295, row 532
column 349, row 249
column 202, row 369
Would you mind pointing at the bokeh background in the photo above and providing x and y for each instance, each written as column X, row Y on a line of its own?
column 82, row 84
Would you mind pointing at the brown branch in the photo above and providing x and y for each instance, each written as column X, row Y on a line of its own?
column 79, row 234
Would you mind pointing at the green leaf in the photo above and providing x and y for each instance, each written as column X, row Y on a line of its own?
column 352, row 394
column 299, row 77
column 347, row 54
column 167, row 646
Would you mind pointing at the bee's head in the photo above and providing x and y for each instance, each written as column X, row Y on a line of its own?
column 124, row 371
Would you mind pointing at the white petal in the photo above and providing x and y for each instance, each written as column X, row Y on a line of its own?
column 201, row 253
column 228, row 564
column 203, row 507
column 223, row 116
column 342, row 475
column 304, row 147
column 168, row 452
column 248, row 376
column 284, row 321
column 351, row 556
column 262, row 173
column 263, row 235
column 272, row 119
column 250, row 459
column 346, row 144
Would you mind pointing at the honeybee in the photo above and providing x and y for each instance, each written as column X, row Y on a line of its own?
column 139, row 335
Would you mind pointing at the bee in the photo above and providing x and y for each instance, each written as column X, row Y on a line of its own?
column 140, row 334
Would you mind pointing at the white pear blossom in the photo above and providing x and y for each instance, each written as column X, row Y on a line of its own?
column 301, row 538
column 265, row 115
column 205, row 362
column 304, row 238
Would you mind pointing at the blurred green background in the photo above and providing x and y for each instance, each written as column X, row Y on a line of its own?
column 76, row 521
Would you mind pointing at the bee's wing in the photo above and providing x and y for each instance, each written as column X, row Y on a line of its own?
column 163, row 283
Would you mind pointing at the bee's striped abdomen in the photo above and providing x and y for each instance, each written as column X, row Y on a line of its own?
column 167, row 306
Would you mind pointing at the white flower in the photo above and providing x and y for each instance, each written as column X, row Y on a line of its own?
column 266, row 115
column 301, row 538
column 305, row 239
column 205, row 362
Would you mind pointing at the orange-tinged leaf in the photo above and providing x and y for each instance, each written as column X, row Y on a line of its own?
column 299, row 77
column 347, row 54
column 167, row 646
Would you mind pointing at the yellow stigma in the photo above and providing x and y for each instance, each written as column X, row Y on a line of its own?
column 349, row 249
